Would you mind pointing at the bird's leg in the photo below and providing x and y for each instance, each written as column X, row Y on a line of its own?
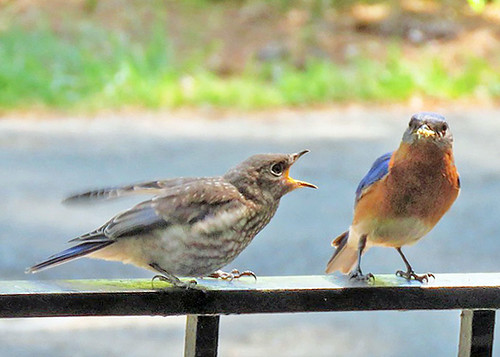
column 409, row 274
column 356, row 273
column 170, row 278
column 234, row 274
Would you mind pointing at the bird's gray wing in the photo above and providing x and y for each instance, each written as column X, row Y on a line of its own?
column 141, row 188
column 181, row 205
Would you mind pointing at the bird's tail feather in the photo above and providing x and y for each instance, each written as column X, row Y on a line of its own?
column 344, row 257
column 75, row 252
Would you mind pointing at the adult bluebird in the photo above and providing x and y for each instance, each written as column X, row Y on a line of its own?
column 192, row 226
column 402, row 197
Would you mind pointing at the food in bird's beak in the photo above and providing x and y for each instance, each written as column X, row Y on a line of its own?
column 425, row 132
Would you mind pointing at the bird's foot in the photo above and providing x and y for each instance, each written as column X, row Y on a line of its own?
column 174, row 281
column 359, row 276
column 410, row 274
column 234, row 274
column 170, row 278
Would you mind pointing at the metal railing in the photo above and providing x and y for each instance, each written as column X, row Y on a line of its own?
column 477, row 295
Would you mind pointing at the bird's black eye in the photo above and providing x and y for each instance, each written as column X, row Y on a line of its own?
column 277, row 169
column 413, row 123
column 444, row 127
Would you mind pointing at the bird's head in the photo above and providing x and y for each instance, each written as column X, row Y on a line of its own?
column 266, row 175
column 427, row 127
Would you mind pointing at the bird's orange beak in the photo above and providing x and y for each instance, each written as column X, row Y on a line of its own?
column 291, row 181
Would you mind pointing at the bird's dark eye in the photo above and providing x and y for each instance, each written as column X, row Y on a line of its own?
column 444, row 127
column 277, row 169
column 413, row 123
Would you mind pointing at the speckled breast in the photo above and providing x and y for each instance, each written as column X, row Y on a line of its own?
column 208, row 251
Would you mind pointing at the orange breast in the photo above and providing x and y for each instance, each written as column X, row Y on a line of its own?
column 422, row 183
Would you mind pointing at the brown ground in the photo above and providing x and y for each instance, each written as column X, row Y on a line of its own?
column 229, row 33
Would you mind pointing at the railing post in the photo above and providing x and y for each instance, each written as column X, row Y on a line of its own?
column 476, row 333
column 202, row 336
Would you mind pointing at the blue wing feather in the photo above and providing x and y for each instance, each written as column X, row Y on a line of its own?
column 379, row 169
column 71, row 253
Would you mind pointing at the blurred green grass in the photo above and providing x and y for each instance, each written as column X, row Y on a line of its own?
column 96, row 69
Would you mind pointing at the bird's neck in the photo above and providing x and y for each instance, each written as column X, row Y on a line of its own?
column 422, row 154
column 246, row 185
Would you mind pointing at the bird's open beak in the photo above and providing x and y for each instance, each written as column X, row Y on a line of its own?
column 425, row 132
column 296, row 183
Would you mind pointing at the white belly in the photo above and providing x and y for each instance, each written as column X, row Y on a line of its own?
column 395, row 232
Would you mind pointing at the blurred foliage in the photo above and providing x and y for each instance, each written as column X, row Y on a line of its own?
column 479, row 5
column 90, row 65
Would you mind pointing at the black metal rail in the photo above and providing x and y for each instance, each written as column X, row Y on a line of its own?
column 478, row 295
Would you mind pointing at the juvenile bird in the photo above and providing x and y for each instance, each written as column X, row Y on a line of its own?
column 192, row 226
column 402, row 197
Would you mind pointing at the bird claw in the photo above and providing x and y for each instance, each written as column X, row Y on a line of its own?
column 176, row 283
column 234, row 274
column 408, row 275
column 359, row 276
